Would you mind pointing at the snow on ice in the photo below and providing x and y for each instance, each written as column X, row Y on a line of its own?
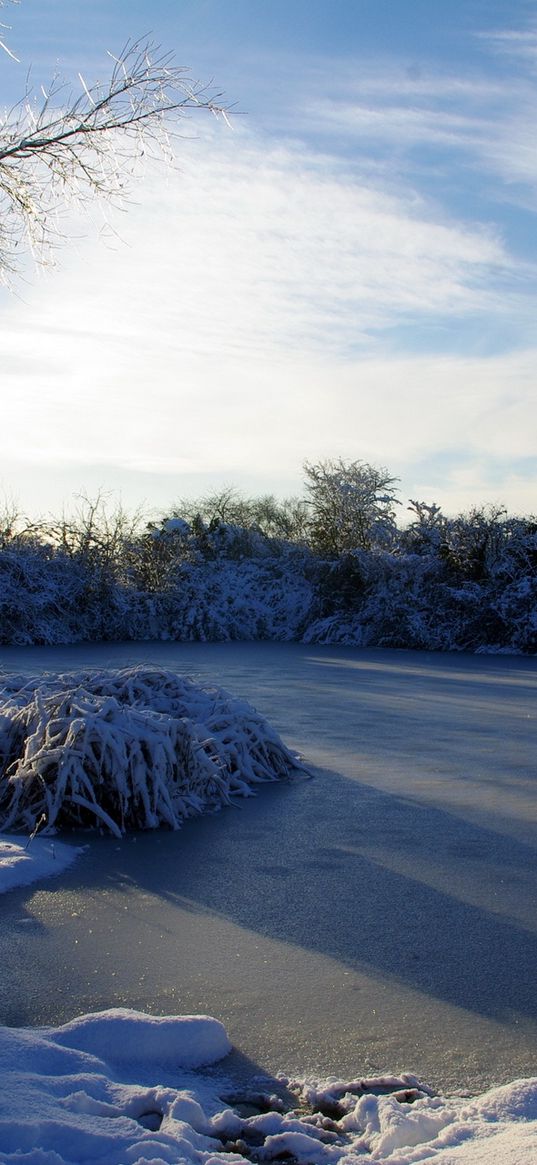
column 123, row 1088
column 23, row 862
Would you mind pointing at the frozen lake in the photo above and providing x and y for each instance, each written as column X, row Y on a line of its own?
column 382, row 916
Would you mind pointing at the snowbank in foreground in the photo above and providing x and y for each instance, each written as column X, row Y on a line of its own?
column 128, row 749
column 22, row 862
column 70, row 1094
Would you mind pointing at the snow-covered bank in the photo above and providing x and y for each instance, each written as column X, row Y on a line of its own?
column 129, row 749
column 120, row 1088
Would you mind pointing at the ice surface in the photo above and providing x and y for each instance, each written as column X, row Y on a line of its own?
column 379, row 917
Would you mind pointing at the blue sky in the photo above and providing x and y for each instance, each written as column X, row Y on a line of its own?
column 349, row 270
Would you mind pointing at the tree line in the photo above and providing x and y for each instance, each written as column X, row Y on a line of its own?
column 333, row 565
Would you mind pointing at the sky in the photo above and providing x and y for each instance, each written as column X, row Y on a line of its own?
column 346, row 269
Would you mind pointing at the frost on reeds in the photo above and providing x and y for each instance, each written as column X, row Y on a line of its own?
column 130, row 749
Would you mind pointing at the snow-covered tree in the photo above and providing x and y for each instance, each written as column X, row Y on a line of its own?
column 426, row 531
column 352, row 505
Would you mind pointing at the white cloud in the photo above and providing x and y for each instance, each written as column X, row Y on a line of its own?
column 240, row 328
column 254, row 423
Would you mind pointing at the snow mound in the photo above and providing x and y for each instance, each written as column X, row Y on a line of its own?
column 130, row 749
column 123, row 1088
column 121, row 1036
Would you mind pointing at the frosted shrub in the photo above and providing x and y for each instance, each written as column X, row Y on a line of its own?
column 225, row 570
column 516, row 606
column 238, row 601
column 128, row 749
column 39, row 596
column 379, row 600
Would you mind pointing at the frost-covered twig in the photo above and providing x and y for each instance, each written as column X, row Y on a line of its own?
column 59, row 146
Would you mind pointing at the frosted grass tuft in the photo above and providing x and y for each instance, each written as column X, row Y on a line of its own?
column 135, row 748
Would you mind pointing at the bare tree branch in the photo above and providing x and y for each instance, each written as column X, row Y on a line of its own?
column 67, row 147
column 3, row 45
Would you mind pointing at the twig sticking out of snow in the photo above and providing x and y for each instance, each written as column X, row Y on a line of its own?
column 129, row 749
column 40, row 821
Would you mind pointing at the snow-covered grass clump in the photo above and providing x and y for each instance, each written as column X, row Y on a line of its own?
column 130, row 749
column 120, row 1087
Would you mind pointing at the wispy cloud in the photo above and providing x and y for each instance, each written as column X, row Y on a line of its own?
column 243, row 325
column 518, row 44
column 404, row 125
column 268, row 251
column 482, row 122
